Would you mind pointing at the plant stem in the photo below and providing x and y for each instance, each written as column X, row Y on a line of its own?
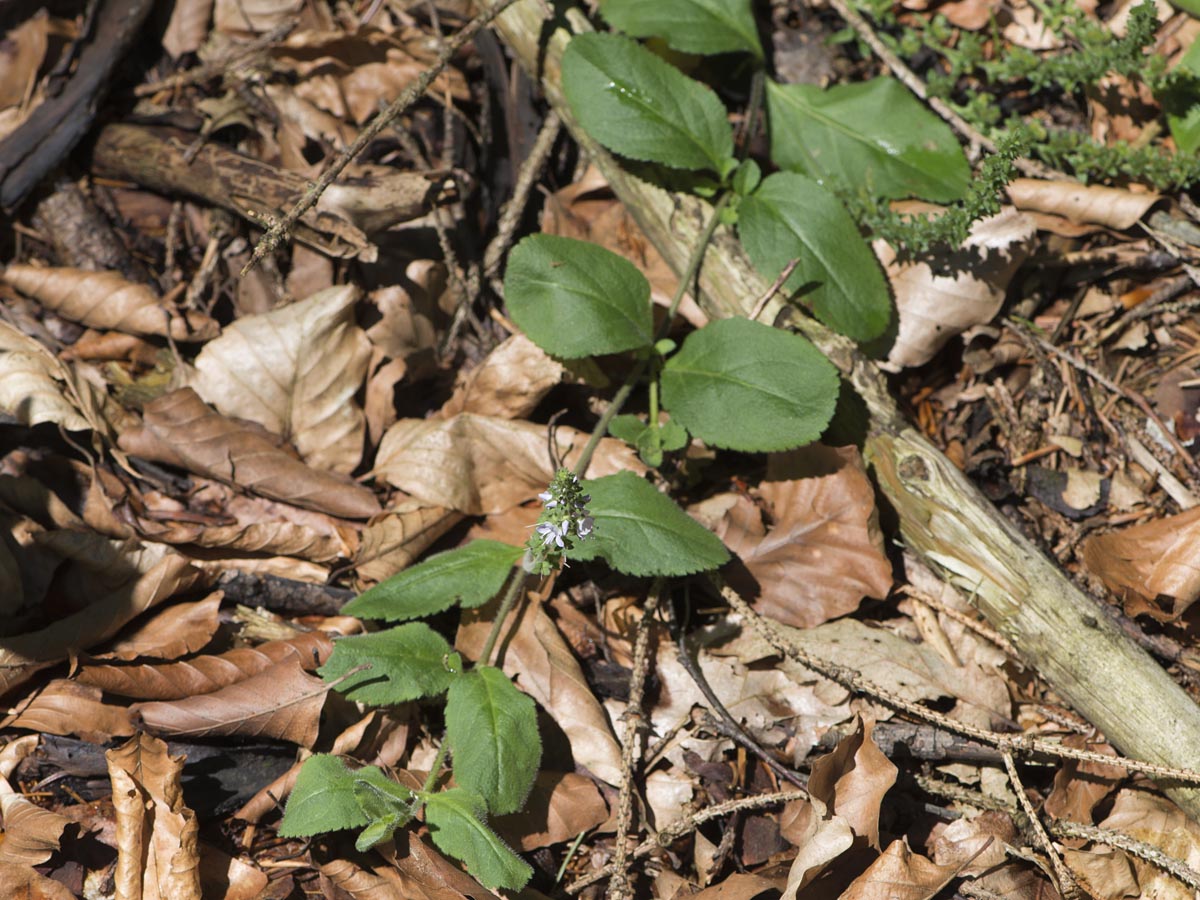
column 431, row 778
column 510, row 598
column 622, row 395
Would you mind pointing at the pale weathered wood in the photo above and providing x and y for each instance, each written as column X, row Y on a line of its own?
column 1057, row 629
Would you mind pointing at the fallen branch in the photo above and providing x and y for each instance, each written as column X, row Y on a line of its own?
column 948, row 523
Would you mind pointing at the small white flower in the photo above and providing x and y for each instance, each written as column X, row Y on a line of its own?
column 583, row 527
column 547, row 498
column 551, row 533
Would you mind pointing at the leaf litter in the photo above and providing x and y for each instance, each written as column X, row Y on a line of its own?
column 333, row 418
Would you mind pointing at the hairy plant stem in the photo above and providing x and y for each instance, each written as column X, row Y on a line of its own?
column 510, row 598
column 439, row 760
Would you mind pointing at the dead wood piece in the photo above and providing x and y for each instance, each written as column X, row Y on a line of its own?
column 284, row 595
column 82, row 236
column 157, row 158
column 56, row 126
column 943, row 517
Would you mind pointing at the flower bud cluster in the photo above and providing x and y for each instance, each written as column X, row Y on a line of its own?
column 564, row 519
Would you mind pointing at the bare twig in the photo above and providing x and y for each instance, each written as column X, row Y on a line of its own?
column 398, row 107
column 619, row 887
column 1066, row 883
column 510, row 217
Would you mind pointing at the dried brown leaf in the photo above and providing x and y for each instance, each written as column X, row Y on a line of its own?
column 67, row 707
column 350, row 75
column 509, row 383
column 821, row 838
column 1095, row 204
column 257, row 16
column 31, row 834
column 124, row 581
column 106, row 301
column 157, row 835
column 26, row 883
column 824, row 551
column 537, row 655
column 205, row 674
column 179, row 629
column 1155, row 820
column 1144, row 562
column 295, row 371
column 228, row 877
column 967, row 288
column 282, row 701
column 36, row 387
column 914, row 671
column 384, row 883
column 852, row 780
column 1103, row 873
column 560, row 806
column 482, row 464
column 739, row 886
column 393, row 542
column 1079, row 786
column 425, row 873
column 179, row 429
column 21, row 56
column 973, row 845
column 899, row 874
column 188, row 26
column 407, row 311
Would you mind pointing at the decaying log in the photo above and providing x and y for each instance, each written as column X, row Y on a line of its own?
column 1057, row 629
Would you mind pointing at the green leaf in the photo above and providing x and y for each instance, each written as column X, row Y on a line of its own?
column 456, row 823
column 470, row 575
column 493, row 733
column 574, row 298
column 1182, row 104
column 691, row 26
column 739, row 384
column 407, row 662
column 387, row 804
column 746, row 178
column 626, row 428
column 322, row 800
column 642, row 107
column 873, row 137
column 791, row 217
column 642, row 532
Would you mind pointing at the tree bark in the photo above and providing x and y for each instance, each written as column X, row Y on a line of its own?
column 1057, row 629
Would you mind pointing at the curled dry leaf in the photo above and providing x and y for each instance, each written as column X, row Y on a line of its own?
column 1144, row 562
column 1153, row 819
column 945, row 295
column 821, row 838
column 1080, row 786
column 295, row 371
column 31, row 834
column 180, row 430
column 157, row 835
column 239, row 16
column 481, row 464
column 540, row 659
column 381, row 882
column 1103, row 873
column 228, row 877
column 262, row 526
column 106, row 301
column 36, row 387
column 900, row 874
column 205, row 674
column 852, row 780
column 407, row 311
column 973, row 845
column 823, row 552
column 282, row 701
column 188, row 27
column 67, row 707
column 509, row 383
column 1094, row 204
